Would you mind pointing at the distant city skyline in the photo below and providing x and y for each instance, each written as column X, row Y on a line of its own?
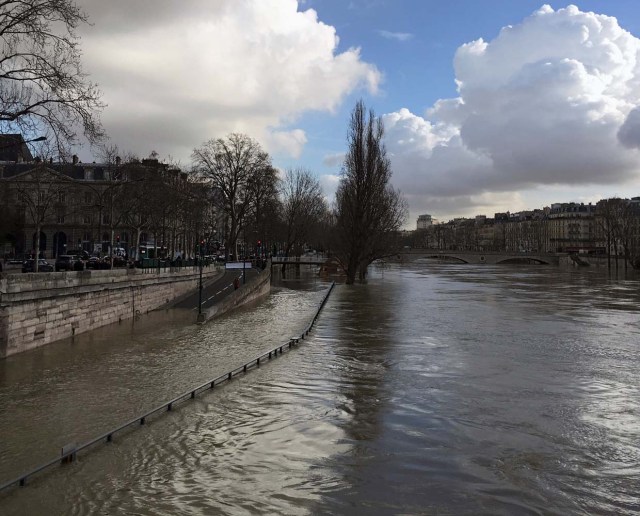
column 489, row 106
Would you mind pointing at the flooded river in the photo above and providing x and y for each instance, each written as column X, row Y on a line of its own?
column 432, row 389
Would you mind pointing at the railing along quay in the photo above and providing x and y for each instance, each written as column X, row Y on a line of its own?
column 70, row 452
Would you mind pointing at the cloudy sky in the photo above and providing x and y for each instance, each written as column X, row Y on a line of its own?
column 488, row 106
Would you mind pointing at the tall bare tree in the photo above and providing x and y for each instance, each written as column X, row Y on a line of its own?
column 369, row 211
column 231, row 164
column 303, row 209
column 42, row 85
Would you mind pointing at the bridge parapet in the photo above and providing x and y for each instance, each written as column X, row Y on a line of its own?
column 479, row 257
column 298, row 260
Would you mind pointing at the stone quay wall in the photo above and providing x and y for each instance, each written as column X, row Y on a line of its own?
column 36, row 309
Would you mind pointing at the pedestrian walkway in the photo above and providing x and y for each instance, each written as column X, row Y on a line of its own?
column 218, row 289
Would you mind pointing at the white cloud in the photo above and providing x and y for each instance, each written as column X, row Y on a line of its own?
column 398, row 36
column 329, row 183
column 287, row 142
column 551, row 101
column 175, row 74
column 333, row 160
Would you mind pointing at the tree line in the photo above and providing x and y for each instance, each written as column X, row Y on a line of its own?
column 359, row 227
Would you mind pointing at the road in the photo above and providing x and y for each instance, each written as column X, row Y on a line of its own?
column 218, row 290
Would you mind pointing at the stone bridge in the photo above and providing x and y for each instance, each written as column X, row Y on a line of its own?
column 477, row 257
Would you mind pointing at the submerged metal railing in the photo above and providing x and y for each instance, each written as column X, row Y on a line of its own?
column 69, row 452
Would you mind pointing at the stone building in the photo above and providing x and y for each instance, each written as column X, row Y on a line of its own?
column 572, row 228
column 99, row 208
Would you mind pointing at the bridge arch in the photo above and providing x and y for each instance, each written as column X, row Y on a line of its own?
column 444, row 257
column 523, row 259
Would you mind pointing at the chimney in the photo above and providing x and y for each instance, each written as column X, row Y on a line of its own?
column 75, row 159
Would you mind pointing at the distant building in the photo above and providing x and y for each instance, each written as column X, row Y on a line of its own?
column 424, row 221
column 572, row 227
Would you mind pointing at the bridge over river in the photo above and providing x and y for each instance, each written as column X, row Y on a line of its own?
column 478, row 257
column 299, row 260
column 472, row 257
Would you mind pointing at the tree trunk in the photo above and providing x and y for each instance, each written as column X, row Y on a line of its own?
column 36, row 263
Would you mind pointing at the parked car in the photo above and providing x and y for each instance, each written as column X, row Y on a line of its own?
column 43, row 266
column 93, row 263
column 64, row 262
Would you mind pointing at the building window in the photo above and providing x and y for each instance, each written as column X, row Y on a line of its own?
column 87, row 219
column 62, row 198
column 88, row 198
column 60, row 218
column 105, row 218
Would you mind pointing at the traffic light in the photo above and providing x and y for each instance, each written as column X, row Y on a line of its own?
column 118, row 238
column 202, row 247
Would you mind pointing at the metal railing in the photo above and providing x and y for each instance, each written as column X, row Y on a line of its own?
column 69, row 452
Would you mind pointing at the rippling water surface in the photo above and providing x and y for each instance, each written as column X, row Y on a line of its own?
column 432, row 389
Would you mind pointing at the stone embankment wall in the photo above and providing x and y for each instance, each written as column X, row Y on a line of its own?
column 257, row 288
column 36, row 309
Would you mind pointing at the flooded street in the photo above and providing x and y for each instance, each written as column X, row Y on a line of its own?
column 432, row 389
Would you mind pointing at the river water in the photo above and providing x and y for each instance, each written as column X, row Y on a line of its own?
column 431, row 389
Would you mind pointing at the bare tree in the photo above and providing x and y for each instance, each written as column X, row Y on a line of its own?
column 368, row 210
column 608, row 218
column 40, row 191
column 231, row 164
column 42, row 86
column 303, row 208
column 263, row 194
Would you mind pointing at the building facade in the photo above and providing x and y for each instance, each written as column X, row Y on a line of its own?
column 100, row 209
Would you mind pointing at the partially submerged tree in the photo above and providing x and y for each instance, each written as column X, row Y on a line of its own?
column 369, row 211
column 42, row 86
column 232, row 165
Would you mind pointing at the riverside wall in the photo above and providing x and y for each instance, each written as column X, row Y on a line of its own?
column 253, row 290
column 37, row 309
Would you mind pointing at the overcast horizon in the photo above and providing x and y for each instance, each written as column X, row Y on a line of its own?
column 488, row 106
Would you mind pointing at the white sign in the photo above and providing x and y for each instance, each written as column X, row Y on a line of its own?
column 238, row 265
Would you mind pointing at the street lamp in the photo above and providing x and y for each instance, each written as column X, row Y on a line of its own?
column 244, row 262
column 200, row 288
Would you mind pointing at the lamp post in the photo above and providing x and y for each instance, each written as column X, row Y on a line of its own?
column 244, row 262
column 200, row 287
column 19, row 141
